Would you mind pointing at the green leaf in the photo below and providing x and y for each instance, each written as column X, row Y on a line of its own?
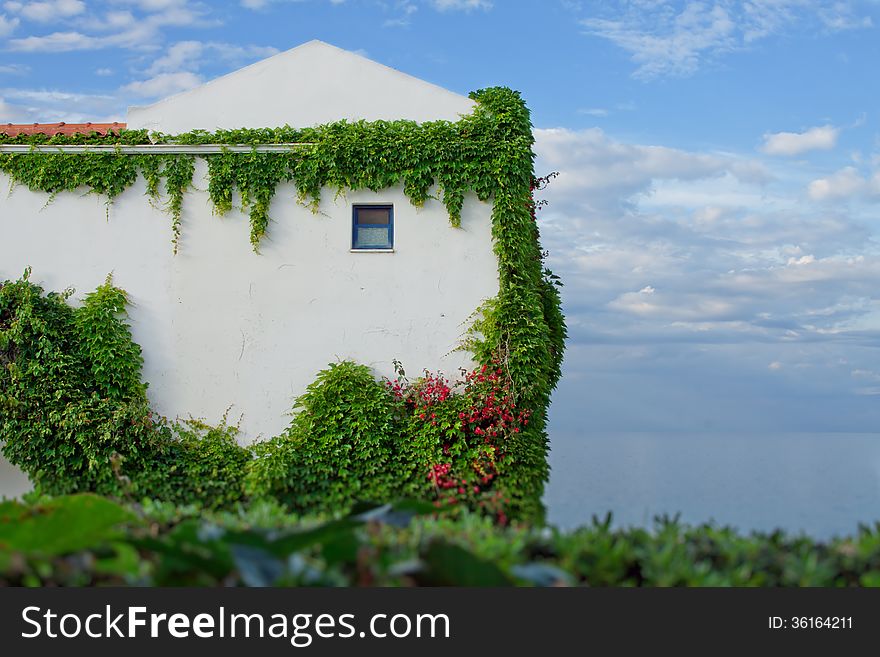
column 447, row 564
column 61, row 525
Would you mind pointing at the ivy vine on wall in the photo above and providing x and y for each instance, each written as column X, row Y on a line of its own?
column 487, row 152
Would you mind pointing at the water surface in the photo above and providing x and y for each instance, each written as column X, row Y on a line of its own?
column 821, row 484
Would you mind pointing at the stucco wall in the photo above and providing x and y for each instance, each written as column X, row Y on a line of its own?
column 221, row 326
column 13, row 482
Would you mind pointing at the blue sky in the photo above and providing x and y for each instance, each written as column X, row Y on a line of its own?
column 716, row 216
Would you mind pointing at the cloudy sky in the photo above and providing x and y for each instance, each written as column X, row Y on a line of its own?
column 716, row 215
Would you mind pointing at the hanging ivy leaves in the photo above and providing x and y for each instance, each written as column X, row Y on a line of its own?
column 178, row 173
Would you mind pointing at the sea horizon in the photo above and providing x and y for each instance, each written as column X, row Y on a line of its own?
column 821, row 484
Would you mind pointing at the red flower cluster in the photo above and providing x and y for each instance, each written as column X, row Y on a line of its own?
column 493, row 410
column 430, row 391
column 441, row 476
column 471, row 420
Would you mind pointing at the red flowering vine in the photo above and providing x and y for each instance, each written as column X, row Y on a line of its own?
column 468, row 422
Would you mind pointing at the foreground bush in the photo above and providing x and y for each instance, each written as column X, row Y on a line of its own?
column 86, row 540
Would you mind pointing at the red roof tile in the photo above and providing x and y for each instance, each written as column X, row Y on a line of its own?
column 52, row 129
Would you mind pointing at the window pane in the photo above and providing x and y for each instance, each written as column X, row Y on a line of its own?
column 373, row 216
column 372, row 238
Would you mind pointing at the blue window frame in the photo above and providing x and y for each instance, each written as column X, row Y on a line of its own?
column 372, row 227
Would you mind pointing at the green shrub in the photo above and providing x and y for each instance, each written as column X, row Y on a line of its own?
column 341, row 446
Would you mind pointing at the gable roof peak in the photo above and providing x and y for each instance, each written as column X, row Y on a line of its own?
column 315, row 82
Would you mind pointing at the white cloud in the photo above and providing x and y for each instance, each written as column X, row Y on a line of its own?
column 866, row 376
column 844, row 184
column 461, row 5
column 47, row 10
column 803, row 260
column 10, row 113
column 119, row 29
column 605, row 172
column 262, row 4
column 50, row 105
column 665, row 44
column 14, row 69
column 181, row 55
column 56, row 42
column 178, row 69
column 594, row 111
column 761, row 19
column 665, row 38
column 104, row 72
column 837, row 270
column 661, row 245
column 677, row 307
column 191, row 55
column 157, row 5
column 794, row 143
column 164, row 84
column 841, row 16
column 403, row 8
column 110, row 21
column 43, row 95
column 406, row 10
column 7, row 25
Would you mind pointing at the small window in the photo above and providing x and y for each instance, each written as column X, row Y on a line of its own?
column 372, row 227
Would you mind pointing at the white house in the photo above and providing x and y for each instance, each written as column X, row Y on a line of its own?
column 368, row 277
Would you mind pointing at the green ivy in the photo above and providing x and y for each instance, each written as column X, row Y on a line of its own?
column 73, row 413
column 342, row 446
column 203, row 464
column 178, row 172
column 107, row 343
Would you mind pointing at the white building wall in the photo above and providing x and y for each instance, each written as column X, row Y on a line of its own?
column 221, row 326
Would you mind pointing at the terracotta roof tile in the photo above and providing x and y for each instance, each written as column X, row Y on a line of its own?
column 52, row 129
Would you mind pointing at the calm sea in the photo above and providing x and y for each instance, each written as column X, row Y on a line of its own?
column 818, row 483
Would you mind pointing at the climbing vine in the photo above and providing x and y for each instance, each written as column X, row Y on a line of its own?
column 488, row 153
